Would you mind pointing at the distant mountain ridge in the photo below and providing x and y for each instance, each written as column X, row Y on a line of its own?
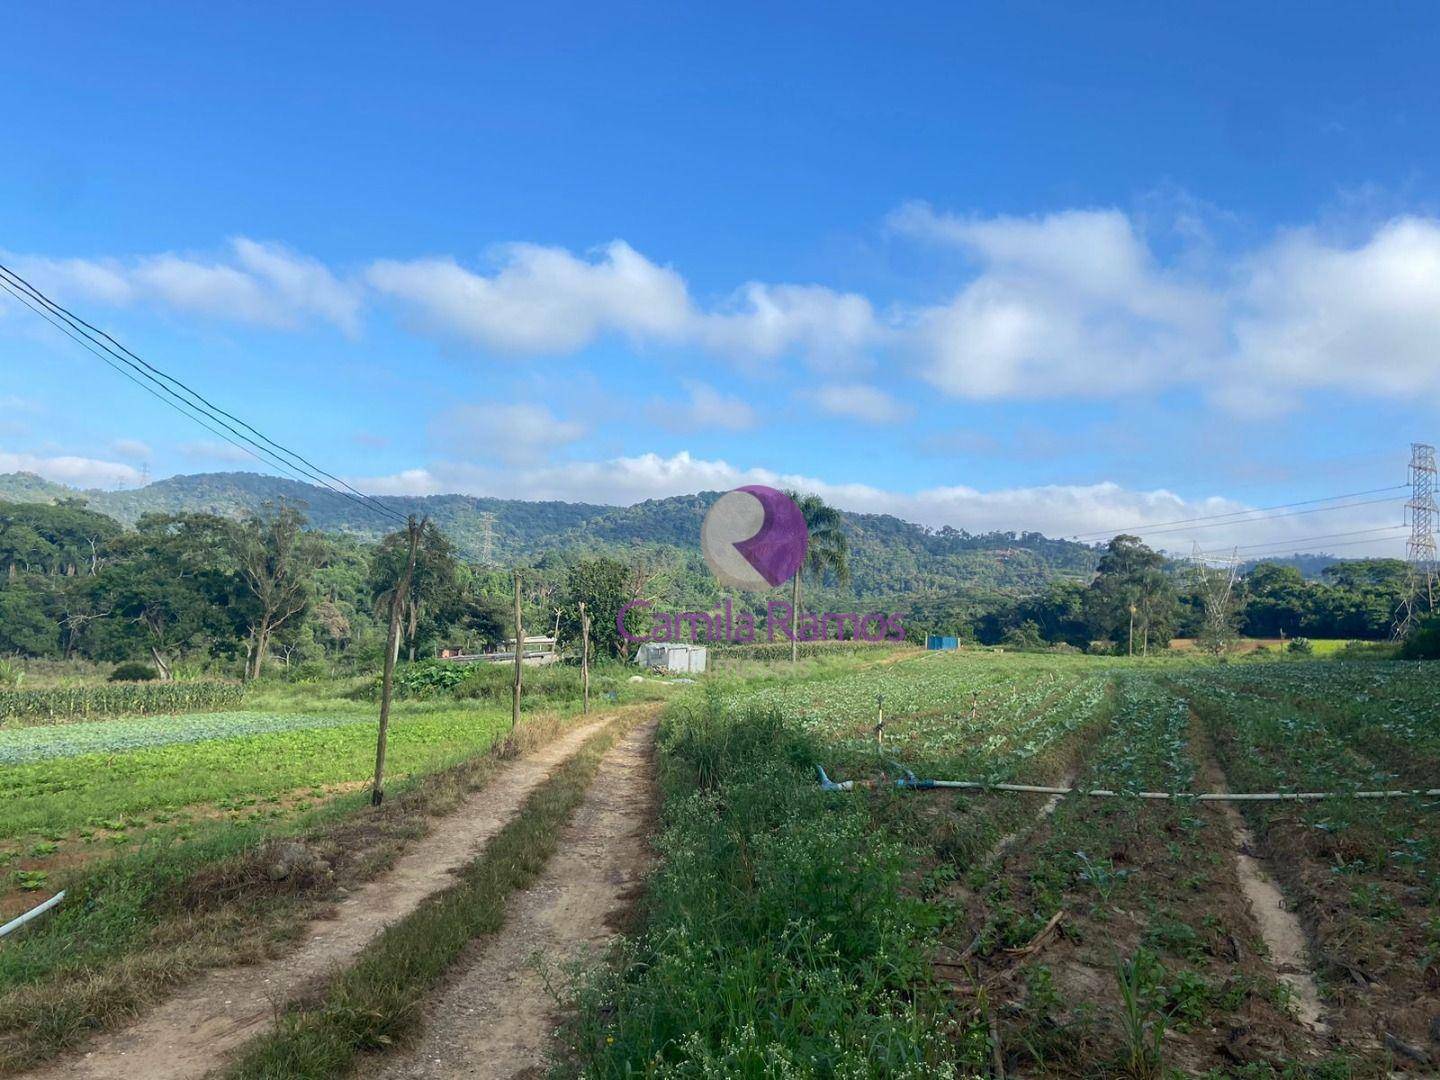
column 887, row 554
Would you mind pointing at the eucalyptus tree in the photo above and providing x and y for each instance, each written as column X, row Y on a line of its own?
column 435, row 580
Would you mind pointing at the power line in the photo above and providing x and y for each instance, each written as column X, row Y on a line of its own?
column 1289, row 549
column 1307, row 540
column 208, row 406
column 1239, row 515
column 190, row 401
column 179, row 405
column 199, row 403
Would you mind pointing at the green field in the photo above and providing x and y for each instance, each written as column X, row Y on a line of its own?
column 885, row 932
column 791, row 931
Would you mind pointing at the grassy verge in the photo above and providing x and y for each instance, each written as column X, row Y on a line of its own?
column 378, row 1000
column 779, row 939
column 140, row 923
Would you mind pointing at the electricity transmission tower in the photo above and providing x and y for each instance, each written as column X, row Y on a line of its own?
column 487, row 538
column 1420, row 549
column 1216, row 586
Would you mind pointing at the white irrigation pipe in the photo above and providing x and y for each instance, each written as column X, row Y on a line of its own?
column 38, row 909
column 1209, row 796
column 909, row 781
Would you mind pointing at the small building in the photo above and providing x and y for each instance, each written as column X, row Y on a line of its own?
column 538, row 649
column 676, row 658
column 459, row 654
column 941, row 641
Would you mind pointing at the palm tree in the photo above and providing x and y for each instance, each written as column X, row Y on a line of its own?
column 827, row 550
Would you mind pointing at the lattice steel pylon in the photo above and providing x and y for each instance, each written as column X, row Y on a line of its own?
column 1420, row 548
column 487, row 538
column 1216, row 586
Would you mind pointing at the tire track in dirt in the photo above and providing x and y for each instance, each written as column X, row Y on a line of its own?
column 192, row 1032
column 495, row 1016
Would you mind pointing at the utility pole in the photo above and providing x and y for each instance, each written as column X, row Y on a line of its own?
column 1420, row 548
column 519, row 656
column 584, row 658
column 1131, row 650
column 398, row 596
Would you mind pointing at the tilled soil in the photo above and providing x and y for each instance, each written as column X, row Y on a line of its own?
column 495, row 1016
column 193, row 1031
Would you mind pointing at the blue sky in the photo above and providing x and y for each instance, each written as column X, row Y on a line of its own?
column 1028, row 266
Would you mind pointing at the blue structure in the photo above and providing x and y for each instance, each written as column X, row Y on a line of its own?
column 940, row 641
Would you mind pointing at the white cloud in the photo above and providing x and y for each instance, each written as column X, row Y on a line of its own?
column 1071, row 303
column 541, row 299
column 259, row 283
column 765, row 322
column 211, row 451
column 134, row 449
column 545, row 300
column 1056, row 510
column 1363, row 318
column 80, row 472
column 706, row 408
column 512, row 433
column 860, row 401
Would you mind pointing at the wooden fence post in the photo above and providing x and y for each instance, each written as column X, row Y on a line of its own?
column 584, row 657
column 397, row 600
column 519, row 656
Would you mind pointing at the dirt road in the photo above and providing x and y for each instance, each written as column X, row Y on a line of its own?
column 494, row 1017
column 194, row 1031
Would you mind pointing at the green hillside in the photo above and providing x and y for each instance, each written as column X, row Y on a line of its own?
column 889, row 556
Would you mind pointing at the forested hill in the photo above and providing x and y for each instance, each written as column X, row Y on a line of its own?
column 888, row 555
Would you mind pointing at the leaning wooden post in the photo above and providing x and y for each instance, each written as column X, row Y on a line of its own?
column 584, row 658
column 519, row 657
column 397, row 600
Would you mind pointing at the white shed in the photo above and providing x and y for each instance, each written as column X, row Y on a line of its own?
column 674, row 657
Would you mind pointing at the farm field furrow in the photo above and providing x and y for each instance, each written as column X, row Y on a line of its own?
column 1076, row 937
column 1155, row 943
column 1362, row 874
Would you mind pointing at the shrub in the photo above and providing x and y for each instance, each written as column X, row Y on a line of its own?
column 427, row 678
column 1301, row 646
column 310, row 671
column 1367, row 650
column 1423, row 642
column 131, row 671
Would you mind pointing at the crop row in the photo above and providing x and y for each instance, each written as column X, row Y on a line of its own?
column 22, row 746
column 1156, row 950
column 90, row 789
column 115, row 700
column 1364, row 875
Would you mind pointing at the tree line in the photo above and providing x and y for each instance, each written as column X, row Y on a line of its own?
column 1139, row 596
column 265, row 589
